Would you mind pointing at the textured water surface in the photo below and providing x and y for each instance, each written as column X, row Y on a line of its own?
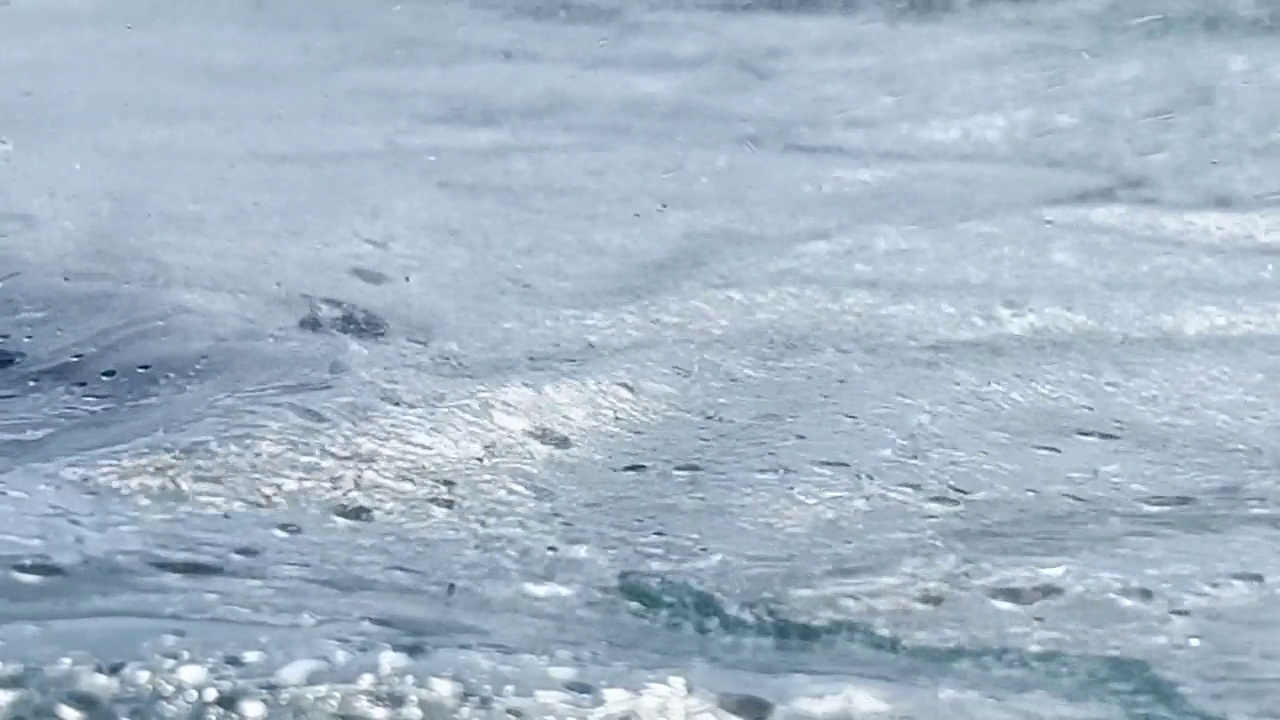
column 660, row 359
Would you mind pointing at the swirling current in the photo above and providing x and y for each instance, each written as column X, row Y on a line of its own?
column 790, row 360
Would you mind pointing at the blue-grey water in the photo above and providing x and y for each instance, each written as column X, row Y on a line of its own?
column 662, row 359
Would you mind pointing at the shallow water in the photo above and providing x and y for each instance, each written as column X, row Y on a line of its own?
column 833, row 359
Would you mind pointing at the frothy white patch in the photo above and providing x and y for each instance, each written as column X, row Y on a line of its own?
column 420, row 449
column 1209, row 320
column 850, row 704
column 1253, row 227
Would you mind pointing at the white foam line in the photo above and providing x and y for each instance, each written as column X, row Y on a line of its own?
column 1218, row 227
column 192, row 687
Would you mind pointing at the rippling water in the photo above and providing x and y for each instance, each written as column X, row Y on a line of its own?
column 792, row 359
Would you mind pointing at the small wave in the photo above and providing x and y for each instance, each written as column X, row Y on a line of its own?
column 1131, row 684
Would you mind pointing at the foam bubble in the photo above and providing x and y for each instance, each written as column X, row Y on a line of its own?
column 1259, row 228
